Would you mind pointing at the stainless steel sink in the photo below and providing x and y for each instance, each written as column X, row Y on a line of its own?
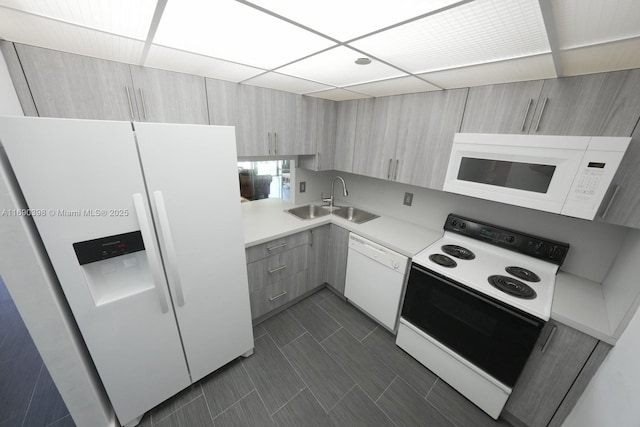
column 355, row 215
column 309, row 211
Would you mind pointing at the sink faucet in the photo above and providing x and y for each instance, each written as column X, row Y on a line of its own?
column 331, row 199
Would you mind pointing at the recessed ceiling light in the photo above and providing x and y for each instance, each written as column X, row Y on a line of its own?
column 363, row 61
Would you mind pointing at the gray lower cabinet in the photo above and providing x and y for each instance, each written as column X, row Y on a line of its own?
column 337, row 257
column 501, row 108
column 561, row 356
column 318, row 253
column 74, row 86
column 345, row 135
column 622, row 205
column 269, row 123
column 168, row 97
column 319, row 120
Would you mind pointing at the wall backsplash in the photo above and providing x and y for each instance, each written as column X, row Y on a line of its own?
column 594, row 245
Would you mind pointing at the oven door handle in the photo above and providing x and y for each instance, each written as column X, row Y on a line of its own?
column 511, row 310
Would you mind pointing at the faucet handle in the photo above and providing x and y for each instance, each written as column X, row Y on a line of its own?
column 326, row 200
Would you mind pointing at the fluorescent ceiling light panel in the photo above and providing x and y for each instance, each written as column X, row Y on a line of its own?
column 522, row 69
column 337, row 67
column 586, row 22
column 33, row 30
column 279, row 81
column 226, row 29
column 394, row 87
column 200, row 65
column 129, row 18
column 338, row 95
column 474, row 33
column 346, row 20
column 620, row 55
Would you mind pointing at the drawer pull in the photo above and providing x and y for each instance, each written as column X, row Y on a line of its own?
column 282, row 267
column 273, row 248
column 278, row 296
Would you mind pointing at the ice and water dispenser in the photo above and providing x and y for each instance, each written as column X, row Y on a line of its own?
column 115, row 266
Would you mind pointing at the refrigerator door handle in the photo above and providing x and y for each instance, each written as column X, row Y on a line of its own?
column 152, row 253
column 171, row 261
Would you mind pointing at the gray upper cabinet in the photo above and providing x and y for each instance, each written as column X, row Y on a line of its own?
column 17, row 76
column 622, row 205
column 425, row 136
column 606, row 104
column 556, row 361
column 501, row 108
column 168, row 97
column 319, row 121
column 318, row 251
column 377, row 126
column 269, row 122
column 345, row 135
column 222, row 101
column 75, row 86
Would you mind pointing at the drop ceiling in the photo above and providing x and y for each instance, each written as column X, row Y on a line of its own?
column 310, row 47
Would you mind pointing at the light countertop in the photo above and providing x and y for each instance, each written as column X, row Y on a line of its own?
column 577, row 302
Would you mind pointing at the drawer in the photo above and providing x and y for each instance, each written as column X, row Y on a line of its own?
column 255, row 253
column 277, row 267
column 276, row 294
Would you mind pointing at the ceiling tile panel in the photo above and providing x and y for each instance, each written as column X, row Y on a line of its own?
column 337, row 67
column 122, row 17
column 531, row 68
column 586, row 22
column 33, row 30
column 394, row 87
column 346, row 20
column 286, row 83
column 601, row 58
column 200, row 65
column 228, row 30
column 338, row 95
column 473, row 33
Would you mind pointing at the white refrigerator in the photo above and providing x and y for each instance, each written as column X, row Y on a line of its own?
column 142, row 224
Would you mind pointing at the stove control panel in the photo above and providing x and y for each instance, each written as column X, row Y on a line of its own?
column 537, row 247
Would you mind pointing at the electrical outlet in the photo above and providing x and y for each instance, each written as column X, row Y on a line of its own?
column 303, row 186
column 408, row 199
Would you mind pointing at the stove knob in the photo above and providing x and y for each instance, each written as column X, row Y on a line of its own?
column 510, row 238
column 463, row 225
column 454, row 223
column 395, row 264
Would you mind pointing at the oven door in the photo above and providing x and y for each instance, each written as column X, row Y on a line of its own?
column 496, row 338
column 530, row 171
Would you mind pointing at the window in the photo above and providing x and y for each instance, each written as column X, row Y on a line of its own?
column 265, row 179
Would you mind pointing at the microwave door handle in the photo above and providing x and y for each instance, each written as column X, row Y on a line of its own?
column 526, row 113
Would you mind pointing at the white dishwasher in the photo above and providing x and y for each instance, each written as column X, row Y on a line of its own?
column 375, row 276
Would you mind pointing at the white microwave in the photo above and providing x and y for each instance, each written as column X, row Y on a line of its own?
column 568, row 175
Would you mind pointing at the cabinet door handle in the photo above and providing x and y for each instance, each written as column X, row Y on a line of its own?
column 549, row 337
column 144, row 105
column 273, row 248
column 148, row 237
column 310, row 238
column 544, row 104
column 278, row 296
column 130, row 103
column 526, row 112
column 395, row 171
column 275, row 143
column 269, row 142
column 275, row 270
column 318, row 161
column 616, row 188
column 389, row 169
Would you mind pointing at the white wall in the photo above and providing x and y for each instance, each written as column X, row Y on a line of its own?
column 612, row 396
column 37, row 295
column 594, row 245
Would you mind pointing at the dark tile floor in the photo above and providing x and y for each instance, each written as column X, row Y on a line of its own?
column 28, row 396
column 320, row 363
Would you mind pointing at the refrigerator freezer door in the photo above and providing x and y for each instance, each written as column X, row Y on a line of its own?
column 78, row 178
column 192, row 179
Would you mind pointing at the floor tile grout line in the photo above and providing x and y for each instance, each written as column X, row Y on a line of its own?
column 443, row 414
column 206, row 402
column 235, row 403
column 61, row 418
column 342, row 398
column 255, row 388
column 431, row 388
column 33, row 393
column 287, row 402
column 332, row 334
column 336, row 320
column 372, row 331
column 180, row 407
column 387, row 388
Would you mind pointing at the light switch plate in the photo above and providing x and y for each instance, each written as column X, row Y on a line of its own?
column 303, row 186
column 408, row 199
